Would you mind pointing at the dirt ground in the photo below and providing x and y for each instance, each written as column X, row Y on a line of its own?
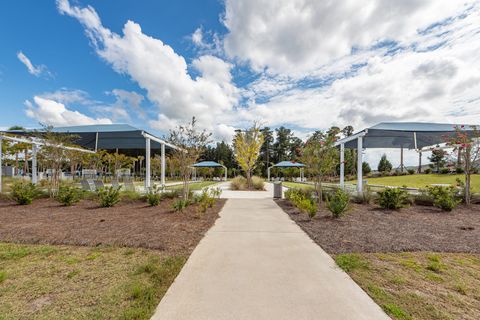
column 367, row 228
column 131, row 224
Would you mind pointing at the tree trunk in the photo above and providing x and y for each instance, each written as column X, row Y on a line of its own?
column 249, row 179
column 467, row 175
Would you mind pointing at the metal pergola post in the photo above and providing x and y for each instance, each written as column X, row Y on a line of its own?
column 359, row 164
column 34, row 164
column 163, row 164
column 342, row 165
column 147, row 163
column 226, row 174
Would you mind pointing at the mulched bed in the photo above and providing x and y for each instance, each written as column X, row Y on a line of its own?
column 367, row 228
column 131, row 224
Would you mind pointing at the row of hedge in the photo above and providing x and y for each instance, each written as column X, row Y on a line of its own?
column 337, row 201
column 23, row 193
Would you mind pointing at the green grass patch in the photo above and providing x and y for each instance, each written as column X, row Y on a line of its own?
column 65, row 282
column 404, row 285
column 349, row 262
column 422, row 180
column 193, row 186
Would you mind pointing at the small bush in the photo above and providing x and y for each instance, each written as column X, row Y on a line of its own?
column 130, row 195
column 308, row 206
column 180, row 204
column 459, row 170
column 24, row 192
column 303, row 200
column 444, row 197
column 172, row 194
column 338, row 203
column 411, row 171
column 68, row 195
column 258, row 183
column 238, row 183
column 109, row 196
column 444, row 170
column 427, row 171
column 393, row 198
column 207, row 199
column 154, row 196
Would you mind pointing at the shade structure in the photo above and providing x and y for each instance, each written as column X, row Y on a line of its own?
column 209, row 164
column 113, row 137
column 287, row 164
column 410, row 135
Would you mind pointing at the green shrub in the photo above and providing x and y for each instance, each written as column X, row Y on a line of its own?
column 154, row 196
column 180, row 204
column 411, row 171
column 303, row 200
column 109, row 196
column 443, row 197
column 428, row 171
column 24, row 192
column 393, row 198
column 258, row 183
column 459, row 170
column 444, row 170
column 68, row 195
column 238, row 183
column 207, row 199
column 172, row 194
column 130, row 195
column 338, row 203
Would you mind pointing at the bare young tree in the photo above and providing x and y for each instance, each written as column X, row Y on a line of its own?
column 321, row 158
column 468, row 142
column 191, row 143
column 247, row 145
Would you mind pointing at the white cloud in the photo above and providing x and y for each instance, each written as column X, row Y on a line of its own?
column 32, row 69
column 298, row 36
column 67, row 96
column 54, row 113
column 160, row 71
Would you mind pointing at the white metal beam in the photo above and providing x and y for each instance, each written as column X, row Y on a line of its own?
column 34, row 165
column 163, row 165
column 342, row 165
column 148, row 135
column 352, row 137
column 147, row 163
column 359, row 164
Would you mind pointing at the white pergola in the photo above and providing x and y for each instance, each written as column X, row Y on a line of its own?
column 35, row 144
column 418, row 136
column 115, row 137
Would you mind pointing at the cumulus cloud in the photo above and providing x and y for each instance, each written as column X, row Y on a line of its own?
column 54, row 113
column 297, row 36
column 158, row 69
column 32, row 69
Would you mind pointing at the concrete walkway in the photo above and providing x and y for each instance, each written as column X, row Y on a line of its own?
column 255, row 263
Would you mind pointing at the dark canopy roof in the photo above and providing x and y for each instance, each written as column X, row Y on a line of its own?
column 410, row 135
column 110, row 136
column 207, row 164
column 289, row 164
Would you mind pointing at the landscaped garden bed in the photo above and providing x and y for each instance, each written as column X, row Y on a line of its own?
column 130, row 223
column 418, row 262
column 368, row 228
column 85, row 261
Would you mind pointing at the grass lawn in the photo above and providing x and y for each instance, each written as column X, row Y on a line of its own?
column 422, row 180
column 194, row 185
column 419, row 285
column 65, row 282
column 297, row 185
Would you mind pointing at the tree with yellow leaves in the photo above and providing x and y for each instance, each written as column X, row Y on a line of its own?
column 247, row 145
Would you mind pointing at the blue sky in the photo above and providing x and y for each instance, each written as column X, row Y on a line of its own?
column 305, row 64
